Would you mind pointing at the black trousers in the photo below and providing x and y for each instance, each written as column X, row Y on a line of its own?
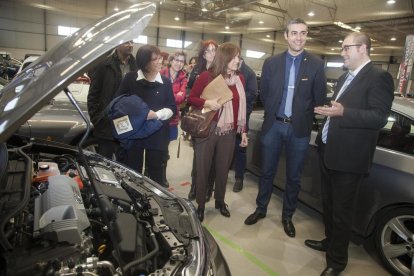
column 339, row 191
column 154, row 162
column 107, row 148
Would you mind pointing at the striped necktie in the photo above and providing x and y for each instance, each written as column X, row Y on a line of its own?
column 348, row 80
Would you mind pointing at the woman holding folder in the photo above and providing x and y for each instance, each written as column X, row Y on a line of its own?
column 229, row 120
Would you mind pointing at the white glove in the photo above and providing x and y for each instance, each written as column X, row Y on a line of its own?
column 164, row 114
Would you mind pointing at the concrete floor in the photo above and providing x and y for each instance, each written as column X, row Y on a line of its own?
column 264, row 248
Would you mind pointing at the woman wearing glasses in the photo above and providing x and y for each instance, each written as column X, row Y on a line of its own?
column 216, row 151
column 156, row 91
column 206, row 54
column 175, row 72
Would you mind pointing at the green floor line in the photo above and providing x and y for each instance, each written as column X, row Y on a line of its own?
column 246, row 254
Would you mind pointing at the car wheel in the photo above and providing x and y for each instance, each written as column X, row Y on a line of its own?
column 91, row 144
column 394, row 240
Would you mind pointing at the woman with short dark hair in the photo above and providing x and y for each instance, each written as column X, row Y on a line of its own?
column 156, row 91
column 216, row 151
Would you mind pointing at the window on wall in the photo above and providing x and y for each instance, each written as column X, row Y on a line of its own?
column 65, row 30
column 254, row 54
column 175, row 43
column 142, row 39
column 334, row 64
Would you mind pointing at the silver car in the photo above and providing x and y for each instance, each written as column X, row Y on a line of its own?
column 68, row 211
column 385, row 204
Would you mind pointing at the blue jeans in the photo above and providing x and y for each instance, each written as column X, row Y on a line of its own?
column 278, row 136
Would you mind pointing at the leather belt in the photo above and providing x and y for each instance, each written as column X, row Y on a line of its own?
column 284, row 120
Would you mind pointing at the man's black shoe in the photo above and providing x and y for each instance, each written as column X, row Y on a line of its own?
column 253, row 218
column 238, row 185
column 316, row 245
column 289, row 227
column 223, row 208
column 329, row 271
column 200, row 213
column 192, row 193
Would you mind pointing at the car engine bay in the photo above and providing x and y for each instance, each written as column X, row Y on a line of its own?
column 66, row 213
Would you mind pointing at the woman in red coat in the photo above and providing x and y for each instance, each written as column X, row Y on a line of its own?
column 230, row 119
column 178, row 79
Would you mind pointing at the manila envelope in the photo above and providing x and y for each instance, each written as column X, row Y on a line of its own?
column 217, row 88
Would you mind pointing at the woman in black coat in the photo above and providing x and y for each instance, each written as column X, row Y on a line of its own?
column 156, row 91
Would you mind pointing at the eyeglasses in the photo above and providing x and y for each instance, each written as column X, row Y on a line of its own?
column 346, row 47
column 179, row 60
column 210, row 51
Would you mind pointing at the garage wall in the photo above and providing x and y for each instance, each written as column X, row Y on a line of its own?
column 28, row 30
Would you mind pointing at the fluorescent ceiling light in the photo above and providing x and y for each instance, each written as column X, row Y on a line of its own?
column 390, row 2
column 393, row 39
column 268, row 35
column 226, row 27
column 176, row 18
column 142, row 39
column 345, row 26
column 334, row 64
column 311, row 13
column 116, row 9
column 261, row 22
column 254, row 54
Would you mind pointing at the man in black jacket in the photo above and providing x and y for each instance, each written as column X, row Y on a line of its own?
column 240, row 152
column 105, row 80
column 347, row 144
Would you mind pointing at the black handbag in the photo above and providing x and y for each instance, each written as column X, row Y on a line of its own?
column 197, row 123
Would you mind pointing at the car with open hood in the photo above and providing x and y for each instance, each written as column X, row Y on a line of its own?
column 68, row 211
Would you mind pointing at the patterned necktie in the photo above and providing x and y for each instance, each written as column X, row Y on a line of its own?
column 290, row 90
column 348, row 80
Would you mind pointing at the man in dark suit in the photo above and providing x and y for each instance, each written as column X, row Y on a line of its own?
column 292, row 84
column 347, row 144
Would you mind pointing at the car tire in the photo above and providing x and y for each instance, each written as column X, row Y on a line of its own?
column 91, row 144
column 394, row 240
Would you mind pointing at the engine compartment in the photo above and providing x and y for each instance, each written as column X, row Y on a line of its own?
column 62, row 213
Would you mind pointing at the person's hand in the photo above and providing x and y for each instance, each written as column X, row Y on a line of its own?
column 151, row 115
column 164, row 114
column 213, row 104
column 244, row 141
column 336, row 109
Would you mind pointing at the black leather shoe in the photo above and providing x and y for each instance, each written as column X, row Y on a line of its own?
column 289, row 227
column 316, row 245
column 238, row 185
column 329, row 271
column 192, row 193
column 223, row 208
column 200, row 213
column 253, row 218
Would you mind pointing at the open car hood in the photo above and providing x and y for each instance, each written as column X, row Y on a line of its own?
column 60, row 66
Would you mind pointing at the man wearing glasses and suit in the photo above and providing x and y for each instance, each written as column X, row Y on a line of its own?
column 292, row 84
column 347, row 144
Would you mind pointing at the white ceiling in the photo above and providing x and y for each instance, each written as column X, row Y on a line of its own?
column 376, row 17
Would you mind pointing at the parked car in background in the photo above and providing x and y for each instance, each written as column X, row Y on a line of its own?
column 385, row 203
column 8, row 66
column 63, row 209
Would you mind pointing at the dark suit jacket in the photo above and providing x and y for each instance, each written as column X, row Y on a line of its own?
column 352, row 138
column 310, row 91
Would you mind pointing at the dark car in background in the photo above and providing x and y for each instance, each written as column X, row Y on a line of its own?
column 385, row 203
column 69, row 211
